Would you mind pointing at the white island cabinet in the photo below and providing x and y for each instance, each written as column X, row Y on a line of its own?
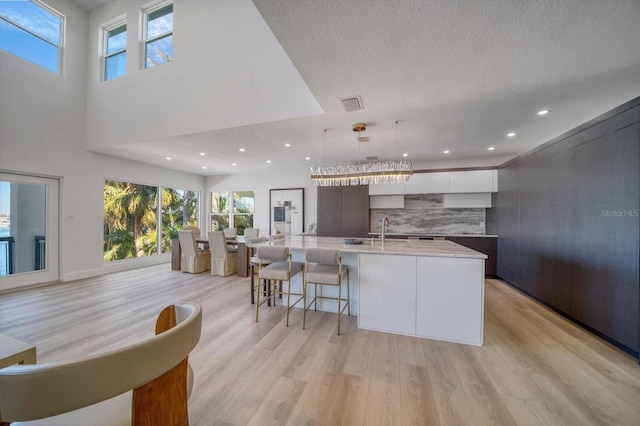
column 432, row 289
column 387, row 289
column 450, row 299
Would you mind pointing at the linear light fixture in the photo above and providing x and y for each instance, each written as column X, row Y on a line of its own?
column 379, row 172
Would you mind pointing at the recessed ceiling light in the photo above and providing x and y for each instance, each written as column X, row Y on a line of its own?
column 446, row 151
column 512, row 134
column 405, row 155
column 543, row 112
column 168, row 158
column 233, row 164
column 307, row 158
column 491, row 148
column 204, row 167
column 241, row 150
column 288, row 145
column 269, row 161
column 202, row 153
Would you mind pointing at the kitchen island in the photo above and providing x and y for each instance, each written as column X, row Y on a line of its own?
column 432, row 289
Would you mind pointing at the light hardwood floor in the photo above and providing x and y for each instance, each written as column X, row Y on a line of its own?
column 535, row 368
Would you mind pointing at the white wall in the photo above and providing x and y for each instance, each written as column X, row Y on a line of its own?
column 261, row 184
column 42, row 132
column 210, row 83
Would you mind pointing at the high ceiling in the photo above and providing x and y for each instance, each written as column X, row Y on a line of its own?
column 458, row 76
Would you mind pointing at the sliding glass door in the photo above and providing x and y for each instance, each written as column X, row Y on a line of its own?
column 29, row 230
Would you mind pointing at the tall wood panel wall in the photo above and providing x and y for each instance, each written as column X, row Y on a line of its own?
column 567, row 221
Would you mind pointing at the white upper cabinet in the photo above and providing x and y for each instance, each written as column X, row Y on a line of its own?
column 473, row 181
column 387, row 188
column 469, row 181
column 466, row 200
column 427, row 183
column 386, row 201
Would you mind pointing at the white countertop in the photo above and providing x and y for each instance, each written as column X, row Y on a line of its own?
column 432, row 248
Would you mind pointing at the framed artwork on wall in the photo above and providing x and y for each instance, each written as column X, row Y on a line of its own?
column 286, row 212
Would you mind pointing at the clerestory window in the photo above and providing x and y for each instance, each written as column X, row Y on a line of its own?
column 115, row 51
column 158, row 35
column 32, row 31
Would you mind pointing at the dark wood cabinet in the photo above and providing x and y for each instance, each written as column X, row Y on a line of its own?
column 485, row 245
column 567, row 220
column 343, row 211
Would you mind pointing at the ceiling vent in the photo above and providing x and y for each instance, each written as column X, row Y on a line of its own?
column 363, row 139
column 352, row 103
column 372, row 158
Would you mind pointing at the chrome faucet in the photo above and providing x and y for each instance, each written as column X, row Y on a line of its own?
column 385, row 223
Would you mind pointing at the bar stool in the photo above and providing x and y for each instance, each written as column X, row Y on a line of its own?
column 324, row 267
column 280, row 269
column 254, row 260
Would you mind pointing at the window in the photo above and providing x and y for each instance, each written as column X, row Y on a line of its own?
column 220, row 210
column 232, row 210
column 115, row 51
column 159, row 36
column 31, row 31
column 179, row 210
column 130, row 218
column 243, row 208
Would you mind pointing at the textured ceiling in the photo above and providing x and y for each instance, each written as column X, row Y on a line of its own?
column 457, row 75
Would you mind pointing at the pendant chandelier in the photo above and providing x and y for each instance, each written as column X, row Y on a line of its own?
column 377, row 172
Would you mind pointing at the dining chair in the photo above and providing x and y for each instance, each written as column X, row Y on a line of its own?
column 223, row 261
column 276, row 237
column 280, row 269
column 193, row 259
column 324, row 267
column 146, row 383
column 194, row 229
column 230, row 232
column 251, row 232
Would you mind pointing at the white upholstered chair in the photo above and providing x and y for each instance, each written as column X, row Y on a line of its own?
column 276, row 237
column 230, row 232
column 251, row 233
column 279, row 269
column 146, row 383
column 223, row 261
column 194, row 229
column 324, row 267
column 193, row 259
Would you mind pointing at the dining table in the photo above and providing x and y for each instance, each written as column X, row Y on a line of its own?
column 235, row 243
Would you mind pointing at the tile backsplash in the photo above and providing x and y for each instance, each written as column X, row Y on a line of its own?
column 425, row 214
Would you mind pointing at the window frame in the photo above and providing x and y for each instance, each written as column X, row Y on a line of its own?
column 120, row 22
column 234, row 213
column 158, row 249
column 231, row 213
column 59, row 47
column 145, row 29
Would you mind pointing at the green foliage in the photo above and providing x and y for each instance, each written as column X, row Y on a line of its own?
column 130, row 222
column 243, row 221
column 219, row 222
